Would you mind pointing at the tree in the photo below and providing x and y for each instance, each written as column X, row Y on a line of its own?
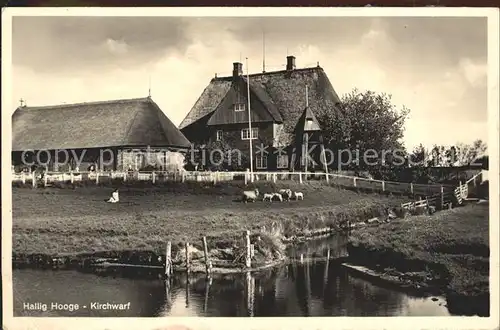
column 460, row 154
column 439, row 155
column 365, row 121
column 466, row 154
column 419, row 156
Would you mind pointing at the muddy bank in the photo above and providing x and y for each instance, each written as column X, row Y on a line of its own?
column 228, row 257
column 418, row 276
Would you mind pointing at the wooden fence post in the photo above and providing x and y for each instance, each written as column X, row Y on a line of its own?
column 168, row 260
column 45, row 179
column 207, row 261
column 248, row 257
column 411, row 187
column 208, row 283
column 274, row 177
column 327, row 266
column 72, row 177
column 187, row 290
column 187, row 258
column 153, row 177
column 246, row 178
column 383, row 185
column 300, row 177
column 96, row 177
column 23, row 177
column 442, row 197
column 474, row 180
column 354, row 181
column 250, row 291
column 33, row 179
column 168, row 296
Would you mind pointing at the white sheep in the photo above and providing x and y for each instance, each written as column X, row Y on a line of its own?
column 268, row 197
column 298, row 195
column 278, row 196
column 286, row 193
column 250, row 195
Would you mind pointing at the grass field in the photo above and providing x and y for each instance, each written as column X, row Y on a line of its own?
column 70, row 221
column 453, row 244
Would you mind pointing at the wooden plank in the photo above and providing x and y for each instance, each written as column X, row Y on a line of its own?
column 207, row 261
column 168, row 260
column 187, row 258
column 208, row 283
column 112, row 264
column 248, row 257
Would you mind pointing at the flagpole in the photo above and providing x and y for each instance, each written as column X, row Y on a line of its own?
column 249, row 123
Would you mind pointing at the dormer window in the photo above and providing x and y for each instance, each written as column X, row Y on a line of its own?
column 218, row 136
column 239, row 107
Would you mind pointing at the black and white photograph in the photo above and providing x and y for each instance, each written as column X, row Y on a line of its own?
column 246, row 162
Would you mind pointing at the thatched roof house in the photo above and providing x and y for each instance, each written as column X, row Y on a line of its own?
column 119, row 124
column 278, row 103
column 281, row 93
column 131, row 122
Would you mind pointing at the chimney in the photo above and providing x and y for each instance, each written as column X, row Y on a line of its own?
column 237, row 69
column 290, row 63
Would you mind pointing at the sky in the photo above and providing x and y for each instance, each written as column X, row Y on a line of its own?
column 436, row 67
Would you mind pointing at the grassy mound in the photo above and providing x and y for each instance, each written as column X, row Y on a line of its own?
column 451, row 247
column 54, row 221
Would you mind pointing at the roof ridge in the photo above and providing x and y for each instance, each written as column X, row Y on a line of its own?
column 272, row 72
column 59, row 106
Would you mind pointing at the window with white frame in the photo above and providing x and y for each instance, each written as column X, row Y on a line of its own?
column 218, row 135
column 245, row 133
column 260, row 161
column 139, row 160
column 239, row 107
column 282, row 161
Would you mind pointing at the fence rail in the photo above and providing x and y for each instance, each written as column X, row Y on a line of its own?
column 456, row 196
column 200, row 176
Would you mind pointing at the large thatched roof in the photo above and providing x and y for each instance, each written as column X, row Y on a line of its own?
column 283, row 91
column 131, row 122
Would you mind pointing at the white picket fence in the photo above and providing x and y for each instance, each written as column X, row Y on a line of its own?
column 246, row 177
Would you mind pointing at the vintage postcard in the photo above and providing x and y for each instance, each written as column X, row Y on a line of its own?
column 181, row 168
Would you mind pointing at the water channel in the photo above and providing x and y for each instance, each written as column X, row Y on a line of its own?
column 308, row 288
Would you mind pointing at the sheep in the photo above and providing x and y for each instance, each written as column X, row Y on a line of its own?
column 286, row 194
column 250, row 195
column 298, row 195
column 278, row 196
column 268, row 197
column 114, row 197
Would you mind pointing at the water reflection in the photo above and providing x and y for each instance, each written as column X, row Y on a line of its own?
column 310, row 289
column 314, row 285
